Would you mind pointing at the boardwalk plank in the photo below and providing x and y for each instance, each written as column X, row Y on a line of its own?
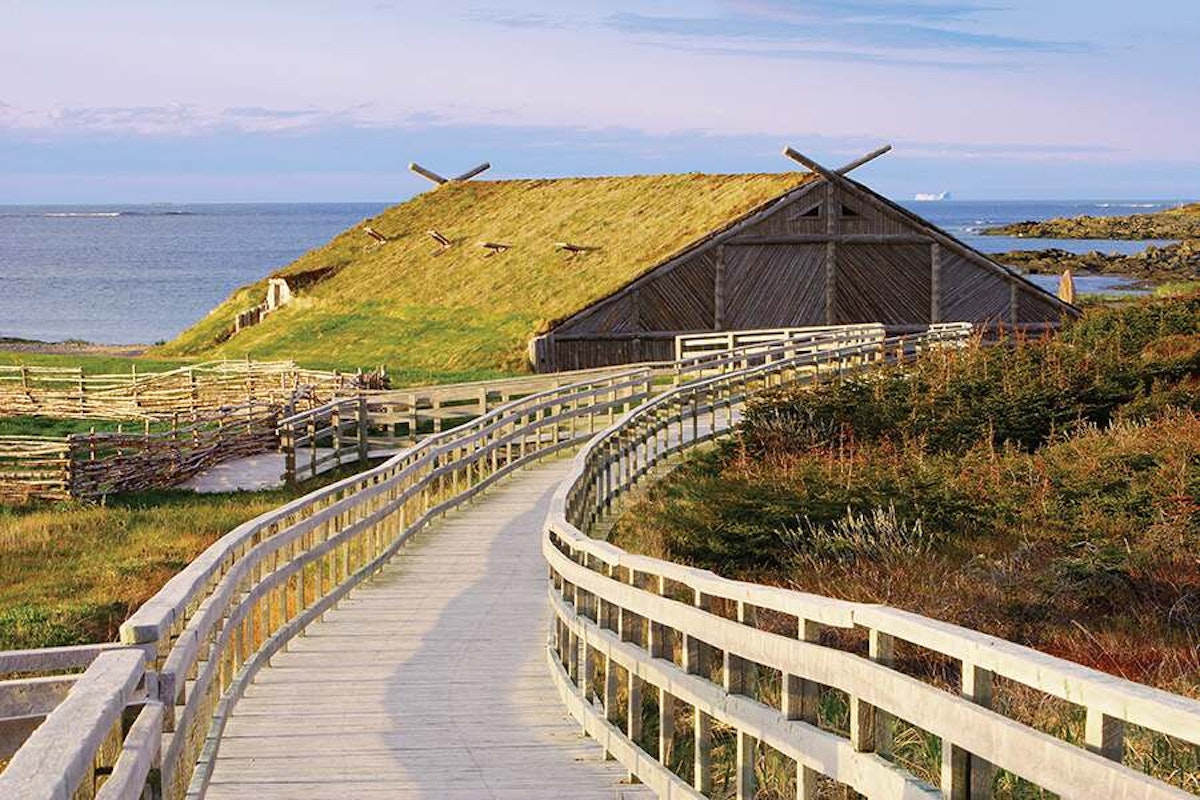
column 427, row 682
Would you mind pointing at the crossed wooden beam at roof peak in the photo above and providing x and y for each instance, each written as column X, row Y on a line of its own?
column 833, row 175
column 430, row 175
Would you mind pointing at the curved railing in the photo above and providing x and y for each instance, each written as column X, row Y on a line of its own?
column 752, row 659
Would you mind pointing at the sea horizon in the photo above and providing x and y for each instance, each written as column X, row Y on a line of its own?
column 140, row 273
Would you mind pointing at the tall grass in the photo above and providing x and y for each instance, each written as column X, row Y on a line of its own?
column 1045, row 492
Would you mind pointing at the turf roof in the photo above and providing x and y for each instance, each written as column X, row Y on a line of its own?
column 412, row 304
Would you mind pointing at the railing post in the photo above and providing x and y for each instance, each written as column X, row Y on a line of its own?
column 882, row 650
column 966, row 776
column 1105, row 735
column 335, row 423
column 739, row 679
column 362, row 422
column 799, row 700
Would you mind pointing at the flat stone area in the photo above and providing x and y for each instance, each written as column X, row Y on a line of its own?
column 259, row 472
column 429, row 681
column 250, row 474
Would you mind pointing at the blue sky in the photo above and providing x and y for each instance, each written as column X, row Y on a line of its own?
column 132, row 101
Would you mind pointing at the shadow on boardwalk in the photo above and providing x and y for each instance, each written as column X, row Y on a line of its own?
column 428, row 682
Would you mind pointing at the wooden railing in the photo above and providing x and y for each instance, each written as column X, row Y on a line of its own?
column 710, row 652
column 693, row 345
column 215, row 624
column 351, row 428
column 77, row 724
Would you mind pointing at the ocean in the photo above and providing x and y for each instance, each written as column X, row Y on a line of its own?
column 143, row 273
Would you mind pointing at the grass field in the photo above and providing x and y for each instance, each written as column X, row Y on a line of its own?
column 71, row 573
column 91, row 363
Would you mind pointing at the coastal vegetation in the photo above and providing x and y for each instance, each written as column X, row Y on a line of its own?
column 1045, row 492
column 1182, row 222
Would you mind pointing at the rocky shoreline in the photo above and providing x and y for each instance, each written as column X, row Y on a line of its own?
column 17, row 345
column 1174, row 223
column 1175, row 262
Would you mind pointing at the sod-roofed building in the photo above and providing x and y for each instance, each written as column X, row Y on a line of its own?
column 584, row 272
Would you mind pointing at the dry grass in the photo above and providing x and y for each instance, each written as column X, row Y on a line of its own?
column 71, row 573
column 409, row 304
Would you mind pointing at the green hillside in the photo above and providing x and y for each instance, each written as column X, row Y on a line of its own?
column 429, row 312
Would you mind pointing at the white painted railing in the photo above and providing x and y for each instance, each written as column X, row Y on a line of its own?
column 697, row 345
column 752, row 658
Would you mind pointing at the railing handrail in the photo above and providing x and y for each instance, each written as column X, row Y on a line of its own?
column 375, row 395
column 85, row 718
column 150, row 621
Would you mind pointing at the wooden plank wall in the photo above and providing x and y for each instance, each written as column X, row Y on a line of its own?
column 771, row 285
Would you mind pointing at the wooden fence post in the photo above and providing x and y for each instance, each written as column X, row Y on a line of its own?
column 362, row 422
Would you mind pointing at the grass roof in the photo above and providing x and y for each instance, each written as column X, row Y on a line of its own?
column 464, row 311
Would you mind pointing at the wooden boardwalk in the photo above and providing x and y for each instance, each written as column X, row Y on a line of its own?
column 427, row 682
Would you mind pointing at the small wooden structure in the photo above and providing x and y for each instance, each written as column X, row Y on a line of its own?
column 829, row 252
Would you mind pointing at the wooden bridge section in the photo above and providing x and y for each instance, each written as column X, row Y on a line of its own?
column 429, row 681
column 388, row 636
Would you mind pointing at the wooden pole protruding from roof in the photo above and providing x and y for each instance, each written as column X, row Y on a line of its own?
column 427, row 174
column 568, row 247
column 869, row 157
column 807, row 162
column 471, row 173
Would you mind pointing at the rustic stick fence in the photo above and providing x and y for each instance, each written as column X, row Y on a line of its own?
column 197, row 389
column 89, row 465
column 709, row 652
column 34, row 468
column 103, row 463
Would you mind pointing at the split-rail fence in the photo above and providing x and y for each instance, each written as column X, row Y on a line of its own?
column 715, row 653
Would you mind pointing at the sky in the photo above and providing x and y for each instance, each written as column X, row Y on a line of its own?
column 130, row 101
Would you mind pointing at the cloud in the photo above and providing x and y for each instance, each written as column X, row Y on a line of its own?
column 861, row 11
column 925, row 34
column 175, row 119
column 520, row 21
column 830, row 34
